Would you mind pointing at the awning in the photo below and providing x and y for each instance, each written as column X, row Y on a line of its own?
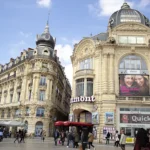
column 70, row 123
column 59, row 123
column 11, row 123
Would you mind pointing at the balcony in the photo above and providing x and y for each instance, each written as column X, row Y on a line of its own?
column 14, row 104
column 84, row 72
column 138, row 98
column 39, row 115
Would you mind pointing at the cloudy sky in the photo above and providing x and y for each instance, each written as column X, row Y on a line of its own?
column 70, row 21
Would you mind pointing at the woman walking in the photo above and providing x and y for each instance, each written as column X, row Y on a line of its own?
column 90, row 140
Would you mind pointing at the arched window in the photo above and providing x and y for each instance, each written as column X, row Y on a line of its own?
column 133, row 76
column 40, row 112
column 133, row 64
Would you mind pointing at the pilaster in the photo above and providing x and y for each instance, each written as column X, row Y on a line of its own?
column 104, row 73
column 111, row 74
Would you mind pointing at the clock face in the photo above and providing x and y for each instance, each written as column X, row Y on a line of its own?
column 47, row 36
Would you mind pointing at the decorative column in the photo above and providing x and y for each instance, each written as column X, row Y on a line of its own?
column 85, row 86
column 23, row 89
column 49, row 88
column 111, row 74
column 15, row 92
column 104, row 74
column 36, row 86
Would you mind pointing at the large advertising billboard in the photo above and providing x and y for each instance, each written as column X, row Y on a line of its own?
column 134, row 85
column 135, row 118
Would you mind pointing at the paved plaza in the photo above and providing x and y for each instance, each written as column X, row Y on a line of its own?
column 37, row 144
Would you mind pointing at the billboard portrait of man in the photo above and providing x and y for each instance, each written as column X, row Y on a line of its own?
column 134, row 85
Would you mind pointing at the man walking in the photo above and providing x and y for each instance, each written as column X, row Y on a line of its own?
column 122, row 140
column 56, row 136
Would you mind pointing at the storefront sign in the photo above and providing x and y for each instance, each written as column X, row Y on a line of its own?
column 129, row 140
column 95, row 118
column 109, row 118
column 133, row 71
column 135, row 118
column 82, row 99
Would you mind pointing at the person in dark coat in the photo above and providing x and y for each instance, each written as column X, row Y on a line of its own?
column 56, row 136
column 107, row 138
column 17, row 137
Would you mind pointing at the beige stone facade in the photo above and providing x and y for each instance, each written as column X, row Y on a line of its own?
column 34, row 89
column 97, row 67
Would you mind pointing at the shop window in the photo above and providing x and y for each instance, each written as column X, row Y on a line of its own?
column 86, row 64
column 89, row 87
column 80, row 87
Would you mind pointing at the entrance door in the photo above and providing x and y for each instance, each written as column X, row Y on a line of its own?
column 38, row 128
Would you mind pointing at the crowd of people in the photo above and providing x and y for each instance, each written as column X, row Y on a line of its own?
column 73, row 139
column 20, row 136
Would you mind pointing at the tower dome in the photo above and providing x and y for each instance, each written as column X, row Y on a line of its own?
column 45, row 38
column 126, row 14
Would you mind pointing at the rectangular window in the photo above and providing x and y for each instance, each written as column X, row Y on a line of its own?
column 11, row 98
column 29, row 94
column 123, row 39
column 42, row 95
column 43, row 80
column 5, row 99
column 80, row 87
column 140, row 40
column 18, row 96
column 89, row 87
column 86, row 64
column 132, row 39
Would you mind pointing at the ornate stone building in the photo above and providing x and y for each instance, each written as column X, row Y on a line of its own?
column 111, row 76
column 34, row 88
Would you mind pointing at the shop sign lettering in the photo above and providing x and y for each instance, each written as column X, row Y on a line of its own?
column 82, row 99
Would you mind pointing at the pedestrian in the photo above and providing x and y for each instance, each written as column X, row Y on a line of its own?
column 9, row 134
column 56, row 136
column 43, row 135
column 70, row 139
column 84, row 138
column 62, row 137
column 21, row 136
column 90, row 140
column 107, row 138
column 142, row 140
column 116, row 139
column 122, row 140
column 76, row 140
column 17, row 137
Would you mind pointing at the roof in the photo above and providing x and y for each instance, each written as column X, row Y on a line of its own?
column 101, row 36
column 126, row 14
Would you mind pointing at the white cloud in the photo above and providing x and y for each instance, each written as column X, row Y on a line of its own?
column 106, row 7
column 26, row 35
column 44, row 3
column 64, row 52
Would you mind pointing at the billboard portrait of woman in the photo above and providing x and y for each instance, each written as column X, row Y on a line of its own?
column 142, row 83
column 128, row 86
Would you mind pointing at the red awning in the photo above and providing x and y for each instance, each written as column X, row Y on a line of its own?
column 69, row 123
column 59, row 123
